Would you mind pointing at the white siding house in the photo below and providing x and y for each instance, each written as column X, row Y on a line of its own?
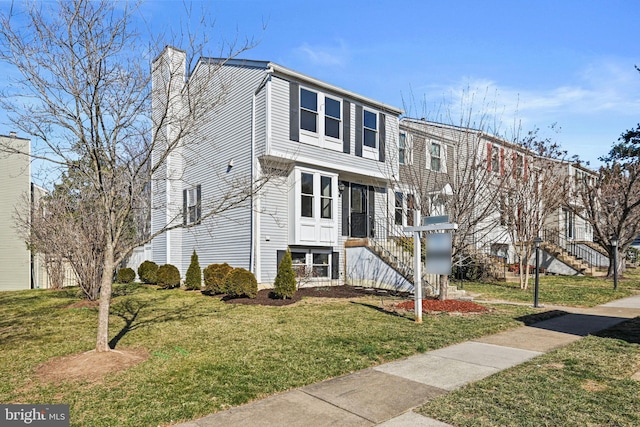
column 329, row 154
column 15, row 176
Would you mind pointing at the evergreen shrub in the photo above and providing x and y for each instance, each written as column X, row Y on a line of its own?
column 193, row 279
column 214, row 278
column 168, row 276
column 148, row 272
column 126, row 275
column 241, row 282
column 285, row 284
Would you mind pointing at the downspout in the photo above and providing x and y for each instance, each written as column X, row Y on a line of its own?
column 255, row 231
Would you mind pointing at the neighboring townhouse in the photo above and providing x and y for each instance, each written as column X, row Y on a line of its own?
column 330, row 155
column 15, row 176
column 474, row 177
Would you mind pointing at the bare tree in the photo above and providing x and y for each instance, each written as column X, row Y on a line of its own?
column 612, row 199
column 85, row 93
column 538, row 186
column 449, row 167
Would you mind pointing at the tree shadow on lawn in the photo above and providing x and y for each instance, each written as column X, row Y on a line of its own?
column 384, row 310
column 130, row 309
column 628, row 331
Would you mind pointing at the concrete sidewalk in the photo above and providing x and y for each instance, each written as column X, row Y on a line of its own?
column 386, row 394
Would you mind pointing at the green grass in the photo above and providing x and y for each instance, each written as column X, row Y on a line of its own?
column 587, row 383
column 559, row 290
column 206, row 355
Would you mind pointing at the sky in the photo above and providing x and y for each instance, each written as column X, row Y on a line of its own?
column 526, row 64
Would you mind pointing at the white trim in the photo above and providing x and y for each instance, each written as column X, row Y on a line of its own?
column 314, row 230
column 319, row 138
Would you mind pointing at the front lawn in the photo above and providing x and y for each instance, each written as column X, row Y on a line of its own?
column 575, row 291
column 206, row 355
column 592, row 382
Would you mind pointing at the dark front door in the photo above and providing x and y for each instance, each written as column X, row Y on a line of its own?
column 359, row 216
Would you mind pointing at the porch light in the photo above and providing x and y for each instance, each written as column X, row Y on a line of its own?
column 341, row 187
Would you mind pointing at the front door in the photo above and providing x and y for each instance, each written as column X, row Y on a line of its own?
column 359, row 216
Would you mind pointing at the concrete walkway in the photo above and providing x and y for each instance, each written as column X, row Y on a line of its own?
column 386, row 394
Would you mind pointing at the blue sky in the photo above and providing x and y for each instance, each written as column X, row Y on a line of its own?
column 531, row 62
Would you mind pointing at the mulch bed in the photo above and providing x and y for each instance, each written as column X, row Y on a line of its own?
column 266, row 297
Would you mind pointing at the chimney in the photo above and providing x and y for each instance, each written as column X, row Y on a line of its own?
column 12, row 134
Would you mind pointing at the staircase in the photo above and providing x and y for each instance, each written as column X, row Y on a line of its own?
column 398, row 254
column 489, row 266
column 583, row 259
column 562, row 255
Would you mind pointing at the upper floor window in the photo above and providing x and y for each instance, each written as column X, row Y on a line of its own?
column 306, row 194
column 370, row 129
column 495, row 160
column 435, row 157
column 192, row 211
column 402, row 149
column 332, row 116
column 519, row 165
column 308, row 110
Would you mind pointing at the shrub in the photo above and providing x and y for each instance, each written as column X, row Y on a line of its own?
column 241, row 282
column 214, row 277
column 148, row 272
column 285, row 284
column 193, row 279
column 168, row 276
column 126, row 275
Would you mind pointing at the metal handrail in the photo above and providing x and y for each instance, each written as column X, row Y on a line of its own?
column 572, row 247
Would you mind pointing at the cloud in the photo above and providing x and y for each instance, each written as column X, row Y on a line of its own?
column 600, row 88
column 336, row 55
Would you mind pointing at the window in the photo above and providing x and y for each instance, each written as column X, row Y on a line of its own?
column 312, row 185
column 308, row 110
column 519, row 165
column 402, row 149
column 306, row 194
column 320, row 267
column 332, row 117
column 310, row 263
column 299, row 263
column 191, row 208
column 411, row 209
column 326, row 200
column 435, row 157
column 495, row 160
column 505, row 211
column 370, row 129
column 399, row 210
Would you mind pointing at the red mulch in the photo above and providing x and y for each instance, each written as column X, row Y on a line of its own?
column 448, row 306
column 266, row 297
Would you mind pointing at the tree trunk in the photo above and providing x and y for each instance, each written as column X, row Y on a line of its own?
column 102, row 339
column 444, row 288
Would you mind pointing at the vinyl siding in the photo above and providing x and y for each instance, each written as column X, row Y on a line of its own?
column 224, row 136
column 308, row 154
column 15, row 176
column 273, row 235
